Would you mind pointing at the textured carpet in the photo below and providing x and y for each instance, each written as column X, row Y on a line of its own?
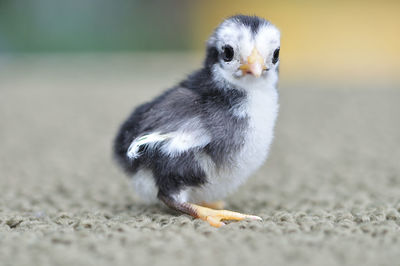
column 329, row 194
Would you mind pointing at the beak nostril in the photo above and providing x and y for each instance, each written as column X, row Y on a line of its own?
column 254, row 65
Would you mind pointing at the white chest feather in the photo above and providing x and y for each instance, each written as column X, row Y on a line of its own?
column 262, row 109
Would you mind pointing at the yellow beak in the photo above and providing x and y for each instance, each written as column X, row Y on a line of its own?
column 255, row 64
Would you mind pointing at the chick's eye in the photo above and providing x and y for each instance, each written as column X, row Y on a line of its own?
column 227, row 53
column 276, row 56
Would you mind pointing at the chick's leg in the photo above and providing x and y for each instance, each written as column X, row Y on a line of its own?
column 213, row 217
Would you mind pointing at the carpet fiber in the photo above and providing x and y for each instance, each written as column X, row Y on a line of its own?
column 329, row 193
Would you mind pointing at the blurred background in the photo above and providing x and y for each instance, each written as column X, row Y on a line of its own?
column 353, row 41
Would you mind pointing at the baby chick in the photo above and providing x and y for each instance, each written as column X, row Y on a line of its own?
column 201, row 139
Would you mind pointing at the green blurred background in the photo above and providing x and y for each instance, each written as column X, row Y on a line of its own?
column 353, row 41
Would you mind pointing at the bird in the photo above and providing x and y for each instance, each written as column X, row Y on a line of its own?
column 201, row 139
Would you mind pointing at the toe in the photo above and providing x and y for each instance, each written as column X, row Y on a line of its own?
column 215, row 221
column 253, row 217
column 230, row 215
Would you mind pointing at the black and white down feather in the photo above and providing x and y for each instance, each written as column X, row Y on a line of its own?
column 201, row 139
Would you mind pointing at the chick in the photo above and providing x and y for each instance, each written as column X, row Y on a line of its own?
column 202, row 139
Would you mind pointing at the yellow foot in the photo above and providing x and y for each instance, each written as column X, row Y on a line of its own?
column 214, row 217
column 217, row 205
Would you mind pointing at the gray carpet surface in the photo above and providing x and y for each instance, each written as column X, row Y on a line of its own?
column 329, row 193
